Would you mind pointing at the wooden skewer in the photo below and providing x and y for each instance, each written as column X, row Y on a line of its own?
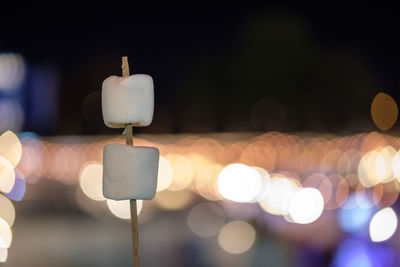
column 134, row 220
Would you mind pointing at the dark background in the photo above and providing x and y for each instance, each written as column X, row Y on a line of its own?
column 273, row 66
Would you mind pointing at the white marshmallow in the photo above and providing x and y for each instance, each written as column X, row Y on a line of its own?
column 129, row 172
column 127, row 100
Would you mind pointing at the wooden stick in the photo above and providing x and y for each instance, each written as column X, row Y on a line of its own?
column 134, row 220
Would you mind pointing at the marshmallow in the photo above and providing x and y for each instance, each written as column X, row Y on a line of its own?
column 129, row 172
column 128, row 100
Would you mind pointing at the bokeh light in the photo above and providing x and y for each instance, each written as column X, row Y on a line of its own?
column 7, row 175
column 7, row 210
column 383, row 225
column 240, row 183
column 206, row 219
column 355, row 214
column 278, row 200
column 183, row 172
column 10, row 147
column 91, row 181
column 384, row 111
column 165, row 174
column 236, row 237
column 12, row 71
column 18, row 191
column 122, row 208
column 306, row 206
column 5, row 234
column 173, row 200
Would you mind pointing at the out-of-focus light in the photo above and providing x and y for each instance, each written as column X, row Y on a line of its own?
column 383, row 225
column 356, row 253
column 322, row 183
column 5, row 234
column 7, row 210
column 7, row 175
column 240, row 183
column 11, row 115
column 384, row 111
column 371, row 169
column 18, row 190
column 183, row 172
column 306, row 206
column 266, row 182
column 122, row 208
column 12, row 71
column 3, row 254
column 10, row 147
column 206, row 219
column 91, row 181
column 278, row 200
column 173, row 200
column 165, row 174
column 387, row 155
column 236, row 237
column 396, row 165
column 355, row 214
column 206, row 182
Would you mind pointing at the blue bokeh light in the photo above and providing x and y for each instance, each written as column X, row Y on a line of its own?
column 18, row 191
column 355, row 215
column 359, row 253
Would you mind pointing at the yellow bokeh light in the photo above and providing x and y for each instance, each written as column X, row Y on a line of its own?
column 165, row 174
column 7, row 175
column 371, row 169
column 173, row 200
column 384, row 111
column 278, row 200
column 91, row 181
column 10, row 147
column 206, row 182
column 236, row 237
column 5, row 234
column 383, row 225
column 122, row 208
column 306, row 206
column 396, row 165
column 239, row 183
column 183, row 172
column 7, row 210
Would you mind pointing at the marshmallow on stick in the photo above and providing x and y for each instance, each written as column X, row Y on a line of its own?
column 129, row 172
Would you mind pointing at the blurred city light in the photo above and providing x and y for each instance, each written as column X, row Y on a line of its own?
column 165, row 174
column 240, row 183
column 355, row 214
column 18, row 191
column 236, row 237
column 5, row 234
column 10, row 147
column 384, row 111
column 7, row 175
column 383, row 225
column 12, row 71
column 122, row 209
column 306, row 206
column 91, row 181
column 7, row 210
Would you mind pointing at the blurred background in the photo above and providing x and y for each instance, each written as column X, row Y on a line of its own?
column 276, row 125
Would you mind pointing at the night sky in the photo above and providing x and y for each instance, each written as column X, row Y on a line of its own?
column 276, row 66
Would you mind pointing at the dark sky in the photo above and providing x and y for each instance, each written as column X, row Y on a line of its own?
column 276, row 66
